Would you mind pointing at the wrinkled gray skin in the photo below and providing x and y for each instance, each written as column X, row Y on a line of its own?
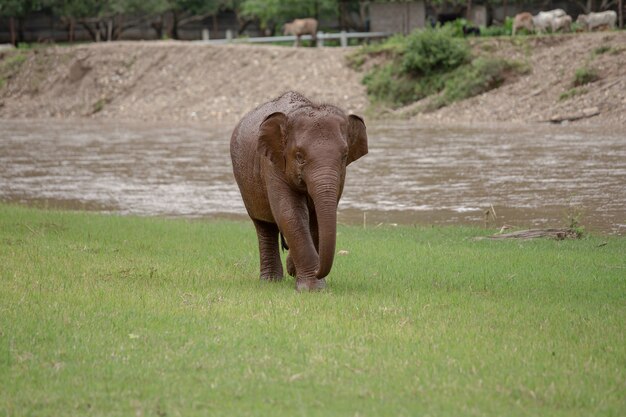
column 289, row 159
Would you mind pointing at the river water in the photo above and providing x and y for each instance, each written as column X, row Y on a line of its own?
column 530, row 176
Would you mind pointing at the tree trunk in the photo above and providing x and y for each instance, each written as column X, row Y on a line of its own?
column 590, row 6
column 119, row 28
column 71, row 29
column 20, row 30
column 243, row 24
column 109, row 29
column 174, row 27
column 215, row 27
column 93, row 32
column 13, row 31
column 157, row 24
column 620, row 8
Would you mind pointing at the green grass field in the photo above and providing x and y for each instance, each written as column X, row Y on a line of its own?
column 105, row 315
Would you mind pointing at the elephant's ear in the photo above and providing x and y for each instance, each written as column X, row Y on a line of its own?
column 357, row 138
column 272, row 138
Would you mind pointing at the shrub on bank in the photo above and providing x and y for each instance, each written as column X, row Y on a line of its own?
column 429, row 62
column 482, row 75
column 433, row 51
column 585, row 75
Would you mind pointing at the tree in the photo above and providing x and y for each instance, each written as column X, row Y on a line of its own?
column 169, row 15
column 272, row 12
column 186, row 11
column 589, row 6
column 106, row 19
column 16, row 11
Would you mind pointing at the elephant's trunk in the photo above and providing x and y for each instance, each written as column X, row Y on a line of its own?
column 325, row 195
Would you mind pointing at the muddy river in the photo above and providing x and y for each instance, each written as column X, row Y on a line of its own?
column 531, row 176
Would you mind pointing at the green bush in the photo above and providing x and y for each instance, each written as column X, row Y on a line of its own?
column 455, row 27
column 572, row 92
column 482, row 75
column 10, row 65
column 585, row 75
column 430, row 62
column 508, row 25
column 384, row 84
column 433, row 51
column 494, row 31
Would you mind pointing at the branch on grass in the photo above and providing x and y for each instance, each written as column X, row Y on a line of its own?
column 586, row 113
column 558, row 234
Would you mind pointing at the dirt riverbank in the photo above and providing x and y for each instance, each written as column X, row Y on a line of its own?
column 180, row 81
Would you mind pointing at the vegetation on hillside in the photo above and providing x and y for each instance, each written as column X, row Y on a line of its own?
column 431, row 63
column 10, row 64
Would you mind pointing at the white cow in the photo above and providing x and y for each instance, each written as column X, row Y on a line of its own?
column 595, row 20
column 562, row 22
column 543, row 20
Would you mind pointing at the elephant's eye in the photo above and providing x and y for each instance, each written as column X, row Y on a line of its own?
column 299, row 157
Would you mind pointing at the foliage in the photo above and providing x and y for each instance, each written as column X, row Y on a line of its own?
column 280, row 11
column 106, row 315
column 10, row 65
column 503, row 30
column 572, row 92
column 585, row 75
column 428, row 62
column 601, row 50
column 483, row 74
column 432, row 51
column 456, row 26
column 388, row 85
column 392, row 46
column 20, row 8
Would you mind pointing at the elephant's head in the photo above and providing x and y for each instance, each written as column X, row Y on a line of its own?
column 311, row 147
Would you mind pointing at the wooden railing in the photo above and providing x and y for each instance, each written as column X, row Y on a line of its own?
column 343, row 38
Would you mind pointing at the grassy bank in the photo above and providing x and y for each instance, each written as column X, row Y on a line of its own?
column 107, row 315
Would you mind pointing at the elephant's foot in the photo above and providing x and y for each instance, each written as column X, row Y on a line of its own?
column 291, row 267
column 271, row 277
column 310, row 284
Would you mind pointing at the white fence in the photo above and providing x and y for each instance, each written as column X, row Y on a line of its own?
column 343, row 38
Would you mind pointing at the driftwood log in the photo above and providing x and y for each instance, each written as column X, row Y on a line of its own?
column 560, row 118
column 558, row 234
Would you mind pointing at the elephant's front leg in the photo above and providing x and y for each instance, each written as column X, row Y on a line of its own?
column 292, row 216
column 313, row 229
column 271, row 266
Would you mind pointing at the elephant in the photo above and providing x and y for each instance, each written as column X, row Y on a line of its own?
column 301, row 27
column 289, row 159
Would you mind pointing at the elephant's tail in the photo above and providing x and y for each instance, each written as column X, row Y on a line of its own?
column 283, row 242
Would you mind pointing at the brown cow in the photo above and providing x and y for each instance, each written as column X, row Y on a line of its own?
column 523, row 20
column 301, row 27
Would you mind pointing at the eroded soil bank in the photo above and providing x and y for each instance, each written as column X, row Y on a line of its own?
column 180, row 81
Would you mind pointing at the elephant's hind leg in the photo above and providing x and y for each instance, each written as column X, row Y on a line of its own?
column 291, row 267
column 271, row 266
